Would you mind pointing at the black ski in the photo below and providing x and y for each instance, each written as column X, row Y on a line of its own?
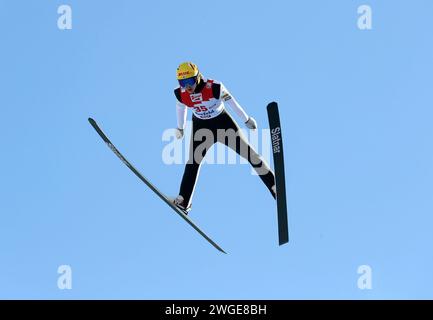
column 277, row 151
column 150, row 185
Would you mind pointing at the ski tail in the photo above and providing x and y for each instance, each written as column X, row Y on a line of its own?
column 278, row 155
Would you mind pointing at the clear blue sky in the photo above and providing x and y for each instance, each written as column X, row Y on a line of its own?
column 356, row 110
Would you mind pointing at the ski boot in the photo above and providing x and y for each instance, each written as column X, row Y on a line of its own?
column 179, row 202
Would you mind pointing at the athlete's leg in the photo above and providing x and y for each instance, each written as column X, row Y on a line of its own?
column 201, row 140
column 234, row 139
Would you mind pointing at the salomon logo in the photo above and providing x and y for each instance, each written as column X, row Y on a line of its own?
column 276, row 138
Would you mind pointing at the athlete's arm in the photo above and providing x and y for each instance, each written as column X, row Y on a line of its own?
column 229, row 100
column 181, row 115
column 181, row 111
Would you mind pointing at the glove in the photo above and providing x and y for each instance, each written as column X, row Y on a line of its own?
column 179, row 133
column 251, row 123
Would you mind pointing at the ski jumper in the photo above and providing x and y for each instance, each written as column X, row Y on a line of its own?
column 210, row 124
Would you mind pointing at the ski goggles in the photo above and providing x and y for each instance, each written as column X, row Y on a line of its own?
column 188, row 82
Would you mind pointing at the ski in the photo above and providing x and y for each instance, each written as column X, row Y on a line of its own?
column 278, row 155
column 179, row 211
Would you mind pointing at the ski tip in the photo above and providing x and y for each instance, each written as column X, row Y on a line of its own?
column 272, row 104
column 93, row 123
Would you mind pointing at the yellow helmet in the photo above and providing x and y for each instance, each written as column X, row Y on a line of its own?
column 187, row 70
